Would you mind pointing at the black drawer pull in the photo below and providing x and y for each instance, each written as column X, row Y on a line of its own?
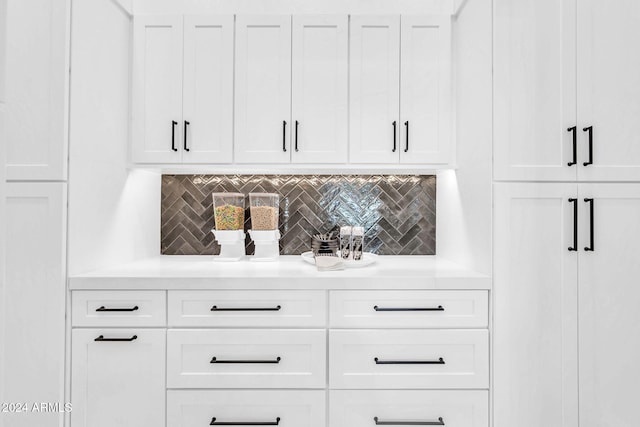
column 440, row 361
column 102, row 338
column 395, row 143
column 216, row 360
column 173, row 135
column 186, row 125
column 591, row 246
column 244, row 423
column 438, row 308
column 440, row 422
column 575, row 225
column 103, row 308
column 590, row 130
column 284, row 136
column 574, row 130
column 276, row 308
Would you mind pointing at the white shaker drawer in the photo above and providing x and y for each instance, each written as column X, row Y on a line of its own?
column 285, row 408
column 368, row 408
column 246, row 358
column 409, row 309
column 408, row 358
column 118, row 308
column 294, row 309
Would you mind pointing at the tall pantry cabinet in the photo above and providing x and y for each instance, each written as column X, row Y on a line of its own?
column 566, row 263
column 33, row 102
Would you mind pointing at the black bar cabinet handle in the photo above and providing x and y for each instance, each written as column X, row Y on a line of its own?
column 378, row 422
column 591, row 247
column 575, row 225
column 406, row 146
column 216, row 360
column 296, row 143
column 440, row 361
column 395, row 133
column 590, row 130
column 173, row 135
column 214, row 422
column 574, row 130
column 103, row 308
column 284, row 136
column 438, row 308
column 276, row 308
column 186, row 125
column 102, row 338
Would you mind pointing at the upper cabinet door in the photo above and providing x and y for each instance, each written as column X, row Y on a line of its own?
column 609, row 89
column 374, row 85
column 425, row 93
column 534, row 89
column 535, row 344
column 207, row 126
column 157, row 89
column 320, row 89
column 609, row 297
column 36, row 90
column 263, row 89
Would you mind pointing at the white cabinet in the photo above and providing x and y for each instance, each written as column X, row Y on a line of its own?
column 400, row 89
column 558, row 308
column 609, row 89
column 36, row 90
column 182, row 89
column 374, row 89
column 320, row 88
column 425, row 90
column 556, row 94
column 118, row 377
column 535, row 306
column 32, row 311
column 609, row 298
column 263, row 89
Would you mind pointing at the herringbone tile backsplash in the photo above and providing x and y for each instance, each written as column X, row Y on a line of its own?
column 397, row 212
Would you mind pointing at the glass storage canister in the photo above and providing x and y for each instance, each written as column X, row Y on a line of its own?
column 264, row 208
column 228, row 211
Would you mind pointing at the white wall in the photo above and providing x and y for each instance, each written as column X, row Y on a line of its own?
column 114, row 213
column 292, row 6
column 3, row 191
column 464, row 197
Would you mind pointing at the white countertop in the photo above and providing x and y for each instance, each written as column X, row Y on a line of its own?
column 289, row 272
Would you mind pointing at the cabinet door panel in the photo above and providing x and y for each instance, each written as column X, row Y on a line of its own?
column 535, row 328
column 608, row 306
column 534, row 89
column 425, row 93
column 609, row 88
column 157, row 89
column 208, row 89
column 374, row 89
column 32, row 298
column 320, row 88
column 263, row 89
column 36, row 91
column 118, row 383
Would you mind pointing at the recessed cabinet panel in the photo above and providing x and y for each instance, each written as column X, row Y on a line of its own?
column 609, row 90
column 207, row 126
column 534, row 89
column 118, row 380
column 263, row 89
column 425, row 95
column 374, row 89
column 609, row 297
column 157, row 89
column 535, row 305
column 366, row 408
column 320, row 89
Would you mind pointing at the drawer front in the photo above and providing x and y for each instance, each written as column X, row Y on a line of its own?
column 459, row 408
column 291, row 309
column 409, row 309
column 246, row 358
column 406, row 358
column 195, row 408
column 118, row 308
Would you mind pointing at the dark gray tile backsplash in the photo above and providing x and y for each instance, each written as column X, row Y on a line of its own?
column 397, row 211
